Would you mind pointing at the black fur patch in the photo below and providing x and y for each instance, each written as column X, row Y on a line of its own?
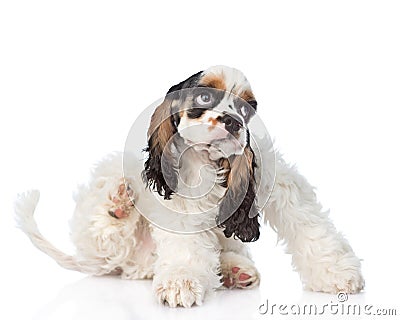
column 154, row 176
column 240, row 224
column 190, row 82
column 194, row 113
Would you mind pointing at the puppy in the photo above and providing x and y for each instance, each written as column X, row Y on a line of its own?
column 182, row 217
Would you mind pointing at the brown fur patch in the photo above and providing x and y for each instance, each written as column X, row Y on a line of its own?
column 224, row 163
column 161, row 128
column 247, row 95
column 249, row 158
column 213, row 81
column 241, row 170
column 214, row 122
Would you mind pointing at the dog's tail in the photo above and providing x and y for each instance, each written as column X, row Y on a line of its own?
column 24, row 208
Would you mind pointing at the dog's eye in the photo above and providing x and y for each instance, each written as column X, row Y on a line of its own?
column 204, row 99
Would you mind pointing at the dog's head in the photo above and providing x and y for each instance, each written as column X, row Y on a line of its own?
column 209, row 111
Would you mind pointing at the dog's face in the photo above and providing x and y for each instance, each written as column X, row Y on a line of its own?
column 210, row 112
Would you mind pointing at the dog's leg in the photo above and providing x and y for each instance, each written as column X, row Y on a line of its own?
column 321, row 255
column 237, row 267
column 109, row 235
column 104, row 226
column 186, row 268
column 107, row 228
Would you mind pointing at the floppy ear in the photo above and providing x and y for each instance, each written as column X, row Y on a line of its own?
column 243, row 222
column 162, row 128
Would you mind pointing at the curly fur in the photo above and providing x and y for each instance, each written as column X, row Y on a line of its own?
column 154, row 176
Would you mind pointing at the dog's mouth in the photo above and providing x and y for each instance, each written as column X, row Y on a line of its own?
column 215, row 138
column 219, row 148
column 214, row 142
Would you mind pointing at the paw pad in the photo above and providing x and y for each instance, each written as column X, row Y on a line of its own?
column 122, row 201
column 237, row 279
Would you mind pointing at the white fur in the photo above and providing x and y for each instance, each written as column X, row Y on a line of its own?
column 234, row 78
column 185, row 267
column 321, row 255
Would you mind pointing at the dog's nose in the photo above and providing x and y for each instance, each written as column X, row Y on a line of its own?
column 231, row 124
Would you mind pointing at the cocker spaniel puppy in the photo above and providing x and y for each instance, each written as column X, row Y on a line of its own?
column 183, row 215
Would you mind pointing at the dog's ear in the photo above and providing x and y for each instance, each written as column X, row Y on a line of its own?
column 190, row 82
column 163, row 125
column 240, row 198
column 161, row 130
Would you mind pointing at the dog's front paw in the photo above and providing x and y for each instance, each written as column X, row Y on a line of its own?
column 349, row 281
column 181, row 291
column 334, row 279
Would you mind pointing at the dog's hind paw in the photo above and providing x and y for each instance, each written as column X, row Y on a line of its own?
column 238, row 271
column 122, row 201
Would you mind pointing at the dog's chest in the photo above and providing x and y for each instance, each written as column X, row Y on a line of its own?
column 199, row 183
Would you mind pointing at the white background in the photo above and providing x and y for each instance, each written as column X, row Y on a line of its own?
column 75, row 74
